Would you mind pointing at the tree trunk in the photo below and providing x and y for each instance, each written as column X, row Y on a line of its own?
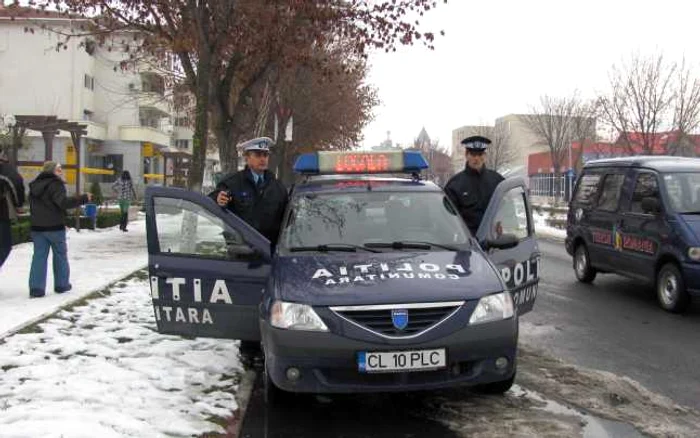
column 201, row 126
column 227, row 140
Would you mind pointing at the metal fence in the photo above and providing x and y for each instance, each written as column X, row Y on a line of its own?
column 551, row 186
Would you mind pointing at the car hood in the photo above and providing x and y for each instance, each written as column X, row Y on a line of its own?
column 384, row 278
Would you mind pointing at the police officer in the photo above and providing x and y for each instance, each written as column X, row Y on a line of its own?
column 254, row 194
column 471, row 189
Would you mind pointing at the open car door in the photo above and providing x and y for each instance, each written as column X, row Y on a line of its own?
column 207, row 267
column 507, row 224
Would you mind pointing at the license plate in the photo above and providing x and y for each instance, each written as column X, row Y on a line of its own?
column 396, row 361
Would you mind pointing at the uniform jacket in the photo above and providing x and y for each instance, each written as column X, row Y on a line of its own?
column 261, row 207
column 471, row 191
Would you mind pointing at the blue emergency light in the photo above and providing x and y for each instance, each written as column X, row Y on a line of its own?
column 334, row 162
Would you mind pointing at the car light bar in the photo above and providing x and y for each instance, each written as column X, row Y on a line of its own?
column 333, row 162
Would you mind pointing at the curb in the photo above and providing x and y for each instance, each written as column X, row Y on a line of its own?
column 245, row 389
column 75, row 299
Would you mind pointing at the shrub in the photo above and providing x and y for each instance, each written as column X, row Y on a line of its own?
column 21, row 231
column 105, row 219
column 96, row 191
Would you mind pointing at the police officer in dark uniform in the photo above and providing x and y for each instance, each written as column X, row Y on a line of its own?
column 254, row 194
column 471, row 189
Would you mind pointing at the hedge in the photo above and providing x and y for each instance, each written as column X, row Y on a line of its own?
column 21, row 230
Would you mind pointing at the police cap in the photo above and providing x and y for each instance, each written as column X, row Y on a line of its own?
column 257, row 144
column 476, row 143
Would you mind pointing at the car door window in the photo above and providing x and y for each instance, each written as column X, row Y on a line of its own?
column 646, row 186
column 511, row 216
column 587, row 190
column 185, row 228
column 610, row 192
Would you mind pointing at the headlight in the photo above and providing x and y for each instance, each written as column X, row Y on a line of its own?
column 293, row 316
column 493, row 308
column 694, row 253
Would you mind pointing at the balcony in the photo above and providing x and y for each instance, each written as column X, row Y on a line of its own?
column 155, row 102
column 144, row 134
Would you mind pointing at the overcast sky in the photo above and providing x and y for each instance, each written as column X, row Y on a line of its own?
column 499, row 56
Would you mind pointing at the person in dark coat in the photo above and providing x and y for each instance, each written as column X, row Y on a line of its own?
column 254, row 194
column 48, row 202
column 471, row 189
column 11, row 198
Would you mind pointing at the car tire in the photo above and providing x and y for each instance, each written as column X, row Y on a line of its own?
column 582, row 265
column 496, row 388
column 670, row 289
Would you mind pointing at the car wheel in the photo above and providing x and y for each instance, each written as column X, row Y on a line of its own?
column 496, row 388
column 582, row 265
column 670, row 289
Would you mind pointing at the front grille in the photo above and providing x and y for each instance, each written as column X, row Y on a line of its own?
column 421, row 317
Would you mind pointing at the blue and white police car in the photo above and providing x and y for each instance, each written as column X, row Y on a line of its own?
column 375, row 284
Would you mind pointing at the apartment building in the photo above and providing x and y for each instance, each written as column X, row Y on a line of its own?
column 131, row 123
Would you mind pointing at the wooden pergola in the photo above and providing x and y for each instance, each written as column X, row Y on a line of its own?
column 181, row 166
column 49, row 126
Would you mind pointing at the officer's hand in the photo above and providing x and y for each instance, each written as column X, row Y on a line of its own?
column 499, row 229
column 222, row 199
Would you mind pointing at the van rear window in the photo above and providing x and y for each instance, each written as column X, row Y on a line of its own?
column 587, row 189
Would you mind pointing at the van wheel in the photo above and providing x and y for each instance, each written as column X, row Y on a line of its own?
column 582, row 265
column 670, row 289
column 496, row 388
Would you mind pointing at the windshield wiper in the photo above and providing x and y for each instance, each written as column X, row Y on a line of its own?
column 342, row 247
column 409, row 244
column 690, row 212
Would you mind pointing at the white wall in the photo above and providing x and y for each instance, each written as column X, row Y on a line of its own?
column 35, row 79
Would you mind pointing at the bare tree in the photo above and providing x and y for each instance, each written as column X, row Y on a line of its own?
column 686, row 112
column 651, row 96
column 640, row 101
column 559, row 122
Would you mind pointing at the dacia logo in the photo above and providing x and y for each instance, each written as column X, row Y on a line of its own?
column 399, row 317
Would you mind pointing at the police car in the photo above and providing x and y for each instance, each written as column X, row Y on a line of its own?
column 375, row 284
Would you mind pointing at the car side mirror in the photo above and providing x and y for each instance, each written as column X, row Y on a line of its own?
column 506, row 241
column 651, row 205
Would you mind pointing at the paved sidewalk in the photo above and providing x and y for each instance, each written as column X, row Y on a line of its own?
column 97, row 258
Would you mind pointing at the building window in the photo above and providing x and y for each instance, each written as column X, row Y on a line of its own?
column 181, row 121
column 182, row 144
column 89, row 82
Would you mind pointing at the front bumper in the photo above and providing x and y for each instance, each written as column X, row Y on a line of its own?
column 328, row 362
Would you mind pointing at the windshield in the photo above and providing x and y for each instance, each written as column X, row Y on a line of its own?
column 683, row 191
column 373, row 217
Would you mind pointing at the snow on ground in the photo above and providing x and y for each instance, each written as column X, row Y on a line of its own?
column 97, row 258
column 542, row 229
column 102, row 369
column 552, row 399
